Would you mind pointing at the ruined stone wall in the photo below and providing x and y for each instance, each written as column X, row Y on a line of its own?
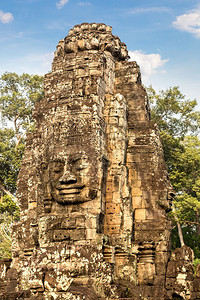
column 93, row 186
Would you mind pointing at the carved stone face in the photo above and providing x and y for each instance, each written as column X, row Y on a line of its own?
column 72, row 180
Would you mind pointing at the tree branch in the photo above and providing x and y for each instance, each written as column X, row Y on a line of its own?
column 15, row 123
column 8, row 193
column 5, row 235
column 189, row 222
column 180, row 233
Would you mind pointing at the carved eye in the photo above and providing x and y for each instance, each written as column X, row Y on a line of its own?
column 81, row 164
column 80, row 167
column 57, row 169
column 58, row 166
column 75, row 160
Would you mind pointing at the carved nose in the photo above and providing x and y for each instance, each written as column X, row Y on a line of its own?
column 68, row 178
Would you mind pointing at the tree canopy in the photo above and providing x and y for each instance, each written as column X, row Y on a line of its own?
column 18, row 94
column 174, row 115
column 179, row 124
column 17, row 98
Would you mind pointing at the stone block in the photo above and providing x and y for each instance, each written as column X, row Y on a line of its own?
column 69, row 223
column 112, row 219
column 112, row 208
column 136, row 183
column 130, row 158
column 95, row 72
column 159, row 280
column 32, row 205
column 116, row 197
column 91, row 234
column 137, row 202
column 140, row 214
column 170, row 283
column 78, row 234
column 132, row 174
column 80, row 221
column 111, row 229
column 145, row 273
column 109, row 196
column 151, row 225
column 109, row 187
column 90, row 223
column 136, row 191
column 61, row 234
column 146, row 235
column 161, row 268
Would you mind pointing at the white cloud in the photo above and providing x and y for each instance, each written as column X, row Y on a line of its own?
column 140, row 10
column 149, row 63
column 39, row 64
column 61, row 3
column 6, row 17
column 84, row 4
column 189, row 22
column 45, row 59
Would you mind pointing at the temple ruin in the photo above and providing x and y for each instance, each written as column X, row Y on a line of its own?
column 93, row 188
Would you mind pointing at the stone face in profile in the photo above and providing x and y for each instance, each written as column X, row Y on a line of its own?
column 93, row 186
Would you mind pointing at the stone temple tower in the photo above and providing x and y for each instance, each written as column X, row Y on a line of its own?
column 93, row 187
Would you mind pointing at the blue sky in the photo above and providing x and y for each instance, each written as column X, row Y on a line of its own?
column 163, row 36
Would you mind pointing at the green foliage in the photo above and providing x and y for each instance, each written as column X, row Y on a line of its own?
column 5, row 244
column 196, row 262
column 8, row 206
column 10, row 159
column 173, row 114
column 18, row 95
column 9, row 213
column 179, row 126
column 191, row 239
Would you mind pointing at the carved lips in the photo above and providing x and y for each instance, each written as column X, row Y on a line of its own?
column 69, row 193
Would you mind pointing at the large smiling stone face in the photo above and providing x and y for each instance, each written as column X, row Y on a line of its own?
column 71, row 179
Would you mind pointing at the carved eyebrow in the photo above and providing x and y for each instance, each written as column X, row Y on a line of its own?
column 58, row 161
column 75, row 158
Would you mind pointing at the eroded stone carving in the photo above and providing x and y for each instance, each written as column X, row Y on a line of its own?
column 93, row 188
column 72, row 180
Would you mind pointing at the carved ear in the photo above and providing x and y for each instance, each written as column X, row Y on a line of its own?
column 92, row 194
